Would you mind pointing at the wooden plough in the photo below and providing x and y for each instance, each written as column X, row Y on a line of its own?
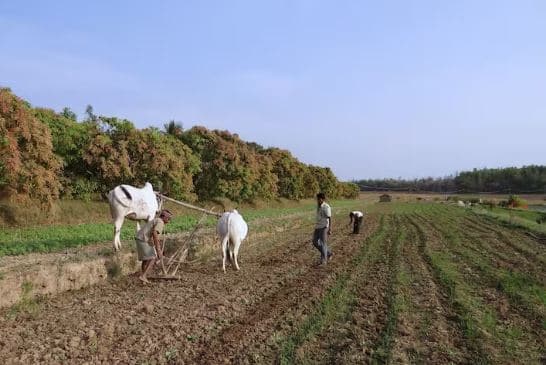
column 206, row 211
column 170, row 265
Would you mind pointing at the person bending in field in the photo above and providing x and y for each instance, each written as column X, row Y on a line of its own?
column 356, row 218
column 323, row 228
column 148, row 243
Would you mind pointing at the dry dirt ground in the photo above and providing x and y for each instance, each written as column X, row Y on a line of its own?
column 383, row 298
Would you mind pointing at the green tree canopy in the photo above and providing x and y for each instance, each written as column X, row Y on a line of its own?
column 229, row 167
column 46, row 154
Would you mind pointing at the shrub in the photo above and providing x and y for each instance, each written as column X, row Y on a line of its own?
column 83, row 189
column 30, row 169
column 349, row 190
column 230, row 168
column 45, row 155
column 489, row 203
column 290, row 173
column 515, row 201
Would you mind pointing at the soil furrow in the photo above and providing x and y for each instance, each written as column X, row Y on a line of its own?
column 501, row 251
column 427, row 331
column 423, row 283
column 523, row 245
column 246, row 340
column 124, row 314
column 489, row 248
column 498, row 320
column 358, row 320
column 500, row 273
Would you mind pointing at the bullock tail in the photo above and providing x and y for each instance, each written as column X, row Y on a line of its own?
column 228, row 237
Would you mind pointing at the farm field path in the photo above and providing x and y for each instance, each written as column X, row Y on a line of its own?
column 422, row 283
column 394, row 310
column 179, row 318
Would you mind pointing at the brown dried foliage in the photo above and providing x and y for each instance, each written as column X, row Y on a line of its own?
column 30, row 168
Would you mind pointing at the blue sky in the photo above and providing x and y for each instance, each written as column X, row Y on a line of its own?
column 370, row 88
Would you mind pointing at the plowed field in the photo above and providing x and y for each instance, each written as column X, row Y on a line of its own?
column 421, row 283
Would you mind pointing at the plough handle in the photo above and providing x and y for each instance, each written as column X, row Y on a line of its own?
column 189, row 205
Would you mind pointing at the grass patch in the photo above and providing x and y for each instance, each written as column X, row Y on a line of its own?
column 529, row 215
column 469, row 309
column 27, row 305
column 460, row 297
column 395, row 302
column 334, row 305
column 478, row 320
column 514, row 218
column 522, row 290
column 171, row 354
column 424, row 329
column 20, row 241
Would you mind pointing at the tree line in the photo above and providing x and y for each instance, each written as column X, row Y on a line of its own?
column 526, row 179
column 45, row 156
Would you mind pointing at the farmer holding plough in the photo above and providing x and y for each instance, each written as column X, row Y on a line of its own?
column 148, row 243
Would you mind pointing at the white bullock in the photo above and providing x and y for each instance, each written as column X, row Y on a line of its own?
column 126, row 201
column 232, row 230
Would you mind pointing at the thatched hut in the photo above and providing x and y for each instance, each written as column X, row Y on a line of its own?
column 385, row 198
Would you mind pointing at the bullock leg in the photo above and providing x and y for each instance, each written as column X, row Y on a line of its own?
column 228, row 252
column 236, row 245
column 224, row 252
column 230, row 247
column 117, row 232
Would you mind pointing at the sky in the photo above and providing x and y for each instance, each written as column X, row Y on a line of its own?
column 372, row 89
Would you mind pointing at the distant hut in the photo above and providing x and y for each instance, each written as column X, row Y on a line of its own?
column 385, row 198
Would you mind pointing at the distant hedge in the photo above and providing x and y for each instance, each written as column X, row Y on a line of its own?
column 526, row 179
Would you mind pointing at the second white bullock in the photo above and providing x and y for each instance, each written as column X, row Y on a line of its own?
column 232, row 230
column 126, row 201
